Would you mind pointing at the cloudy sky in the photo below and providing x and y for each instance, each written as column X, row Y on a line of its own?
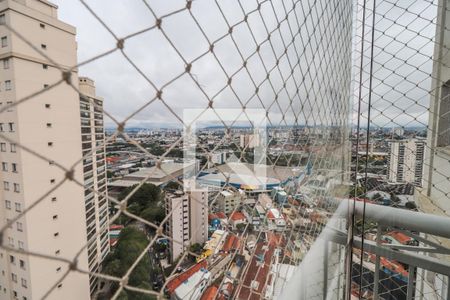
column 305, row 57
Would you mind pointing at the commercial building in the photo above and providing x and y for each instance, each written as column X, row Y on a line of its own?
column 94, row 171
column 405, row 161
column 49, row 124
column 158, row 176
column 188, row 221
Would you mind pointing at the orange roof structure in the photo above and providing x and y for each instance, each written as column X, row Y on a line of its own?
column 400, row 237
column 232, row 243
column 221, row 215
column 174, row 283
column 210, row 293
column 237, row 215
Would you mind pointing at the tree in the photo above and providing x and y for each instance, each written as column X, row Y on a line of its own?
column 241, row 226
column 154, row 214
column 411, row 205
column 130, row 244
column 196, row 248
column 146, row 193
column 173, row 185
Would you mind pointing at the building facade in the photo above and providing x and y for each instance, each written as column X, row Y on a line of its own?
column 188, row 221
column 49, row 124
column 228, row 201
column 94, row 172
column 433, row 198
column 405, row 161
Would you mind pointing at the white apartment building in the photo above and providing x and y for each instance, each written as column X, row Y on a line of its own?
column 227, row 201
column 49, row 124
column 405, row 161
column 94, row 170
column 188, row 222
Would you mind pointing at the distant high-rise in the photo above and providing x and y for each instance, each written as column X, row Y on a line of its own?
column 49, row 124
column 94, row 170
column 405, row 162
column 249, row 141
column 188, row 222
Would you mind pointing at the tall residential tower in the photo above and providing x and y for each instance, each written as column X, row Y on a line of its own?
column 94, row 169
column 49, row 124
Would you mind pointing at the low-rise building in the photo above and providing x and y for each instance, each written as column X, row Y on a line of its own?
column 229, row 200
column 275, row 220
column 194, row 286
column 237, row 218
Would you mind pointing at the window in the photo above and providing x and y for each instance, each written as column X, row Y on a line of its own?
column 44, row 66
column 51, row 162
column 45, row 86
column 16, row 187
column 49, row 125
column 21, row 245
column 44, row 46
column 18, row 207
column 55, row 217
column 19, row 226
column 12, row 259
column 59, row 286
column 13, row 148
column 42, row 25
column 2, row 19
column 11, row 127
column 4, row 167
column 14, row 167
column 22, row 264
column 50, row 144
column 54, row 199
column 2, row 128
column 6, row 63
column 47, row 105
column 57, row 252
column 13, row 277
column 3, row 147
column 7, row 85
column 11, row 241
column 10, row 108
column 56, row 234
column 24, row 283
column 4, row 41
column 52, row 180
column 6, row 185
column 58, row 269
column 8, row 204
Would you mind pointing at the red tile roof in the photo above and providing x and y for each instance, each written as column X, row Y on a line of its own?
column 174, row 283
column 221, row 215
column 231, row 243
column 400, row 237
column 237, row 215
column 210, row 293
column 257, row 271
